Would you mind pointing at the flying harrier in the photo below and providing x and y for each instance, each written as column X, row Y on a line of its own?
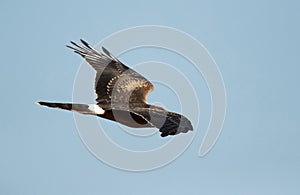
column 121, row 95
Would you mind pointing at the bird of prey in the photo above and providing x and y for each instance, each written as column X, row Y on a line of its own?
column 121, row 95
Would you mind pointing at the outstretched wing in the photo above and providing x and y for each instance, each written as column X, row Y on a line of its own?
column 116, row 85
column 168, row 123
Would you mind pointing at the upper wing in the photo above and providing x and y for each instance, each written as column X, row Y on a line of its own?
column 168, row 123
column 115, row 84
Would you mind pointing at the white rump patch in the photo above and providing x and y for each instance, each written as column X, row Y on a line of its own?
column 95, row 108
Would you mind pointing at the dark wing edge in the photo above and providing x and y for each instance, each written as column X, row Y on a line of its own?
column 96, row 59
column 168, row 123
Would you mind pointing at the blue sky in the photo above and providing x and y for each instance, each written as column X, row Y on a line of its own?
column 254, row 43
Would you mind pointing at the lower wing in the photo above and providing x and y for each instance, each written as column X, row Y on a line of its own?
column 168, row 123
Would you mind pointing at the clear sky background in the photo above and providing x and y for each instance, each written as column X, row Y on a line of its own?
column 256, row 46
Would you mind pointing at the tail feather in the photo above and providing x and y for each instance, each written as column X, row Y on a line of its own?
column 81, row 108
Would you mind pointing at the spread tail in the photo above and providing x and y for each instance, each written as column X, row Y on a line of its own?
column 81, row 108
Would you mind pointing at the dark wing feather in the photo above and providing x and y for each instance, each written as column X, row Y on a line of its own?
column 97, row 60
column 116, row 85
column 168, row 123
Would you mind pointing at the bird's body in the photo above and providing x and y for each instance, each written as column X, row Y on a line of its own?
column 122, row 96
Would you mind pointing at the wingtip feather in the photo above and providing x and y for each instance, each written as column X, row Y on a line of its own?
column 85, row 44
